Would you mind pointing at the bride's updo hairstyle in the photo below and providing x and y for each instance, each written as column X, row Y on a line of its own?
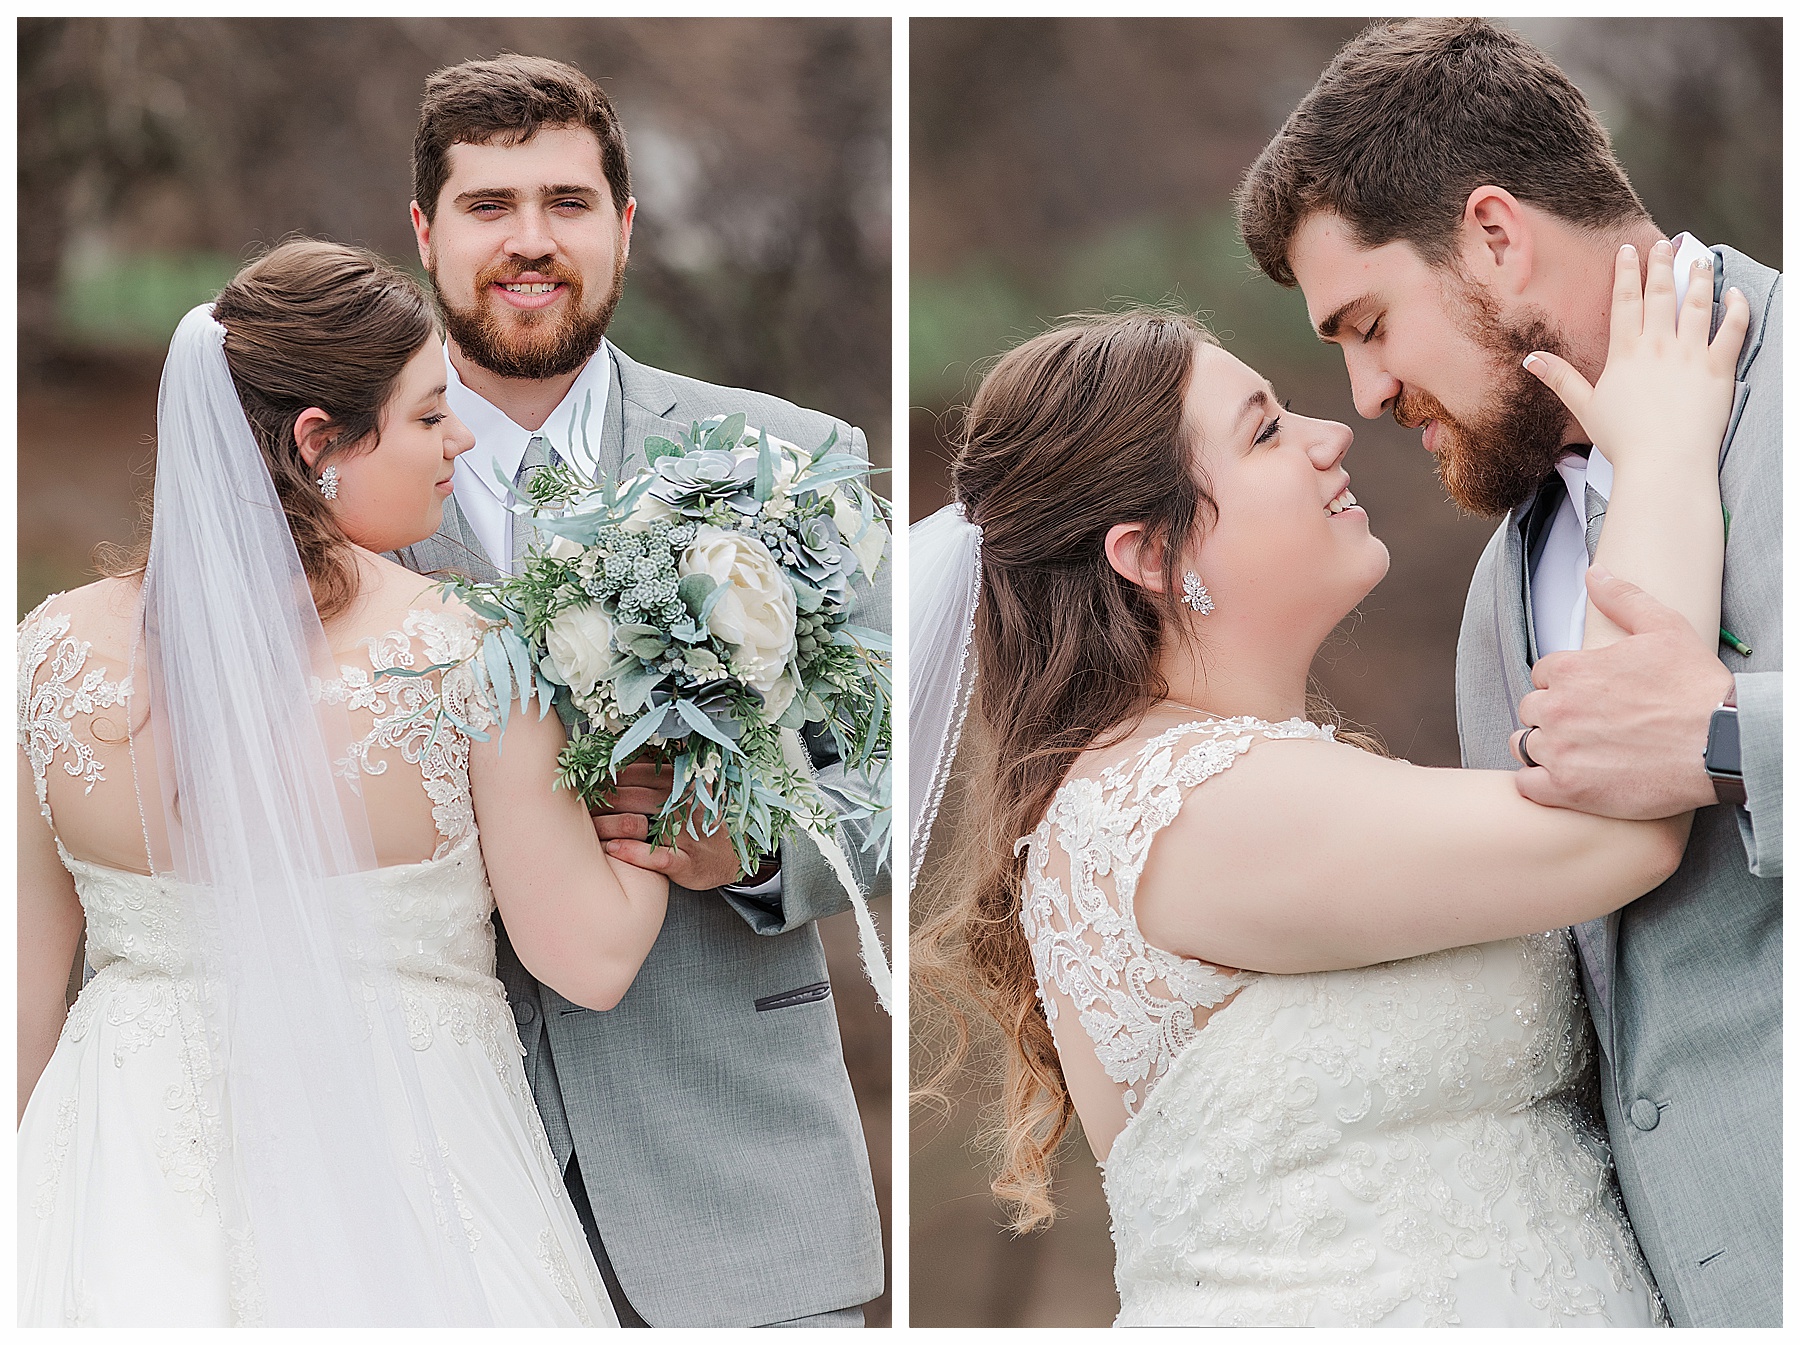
column 312, row 323
column 1076, row 430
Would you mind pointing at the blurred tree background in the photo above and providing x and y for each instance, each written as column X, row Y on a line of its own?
column 1060, row 165
column 157, row 155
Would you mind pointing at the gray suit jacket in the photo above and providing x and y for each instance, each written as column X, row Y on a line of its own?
column 1685, row 983
column 710, row 1110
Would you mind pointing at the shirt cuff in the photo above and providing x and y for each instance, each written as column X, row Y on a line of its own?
column 1759, row 735
column 764, row 891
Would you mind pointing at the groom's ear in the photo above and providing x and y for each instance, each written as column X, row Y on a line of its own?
column 422, row 232
column 1135, row 555
column 1499, row 244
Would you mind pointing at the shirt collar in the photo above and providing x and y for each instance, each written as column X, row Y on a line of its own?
column 500, row 442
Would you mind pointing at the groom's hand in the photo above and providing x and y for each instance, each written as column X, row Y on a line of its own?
column 697, row 863
column 1621, row 730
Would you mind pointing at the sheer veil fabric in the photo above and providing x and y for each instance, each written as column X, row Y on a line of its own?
column 322, row 1154
column 944, row 586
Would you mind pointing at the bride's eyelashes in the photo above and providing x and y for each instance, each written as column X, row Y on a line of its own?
column 432, row 421
column 1268, row 431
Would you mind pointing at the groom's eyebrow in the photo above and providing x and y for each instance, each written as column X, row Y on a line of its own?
column 1343, row 313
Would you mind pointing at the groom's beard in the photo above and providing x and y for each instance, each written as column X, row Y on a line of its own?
column 1497, row 459
column 527, row 344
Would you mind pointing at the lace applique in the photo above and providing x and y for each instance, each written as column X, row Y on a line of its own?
column 66, row 1113
column 465, row 1215
column 421, row 717
column 562, row 1276
column 1085, row 940
column 47, row 709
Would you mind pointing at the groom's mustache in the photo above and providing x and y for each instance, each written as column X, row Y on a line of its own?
column 543, row 268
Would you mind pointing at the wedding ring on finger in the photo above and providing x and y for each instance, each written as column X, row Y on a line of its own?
column 1524, row 738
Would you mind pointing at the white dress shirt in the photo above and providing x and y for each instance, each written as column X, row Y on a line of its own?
column 500, row 445
column 1559, row 579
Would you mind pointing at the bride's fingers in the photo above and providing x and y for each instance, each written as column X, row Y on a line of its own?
column 1659, row 289
column 1627, row 298
column 1561, row 377
column 1728, row 341
column 1694, row 320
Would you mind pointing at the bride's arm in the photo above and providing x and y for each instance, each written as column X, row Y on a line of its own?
column 1659, row 413
column 581, row 922
column 50, row 924
column 1315, row 856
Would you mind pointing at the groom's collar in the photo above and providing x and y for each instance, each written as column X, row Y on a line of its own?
column 500, row 442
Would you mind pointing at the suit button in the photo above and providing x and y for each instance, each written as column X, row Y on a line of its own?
column 1644, row 1114
column 524, row 1013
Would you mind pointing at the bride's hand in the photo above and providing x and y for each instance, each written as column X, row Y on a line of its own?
column 1666, row 392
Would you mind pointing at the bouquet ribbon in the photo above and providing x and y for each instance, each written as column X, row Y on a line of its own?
column 874, row 959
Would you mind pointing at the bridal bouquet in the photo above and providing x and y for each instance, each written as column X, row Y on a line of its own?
column 698, row 615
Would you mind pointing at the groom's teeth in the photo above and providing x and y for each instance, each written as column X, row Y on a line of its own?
column 537, row 287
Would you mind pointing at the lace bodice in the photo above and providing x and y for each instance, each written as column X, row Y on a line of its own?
column 425, row 720
column 1136, row 1001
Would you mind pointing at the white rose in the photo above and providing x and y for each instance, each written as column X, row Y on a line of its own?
column 647, row 510
column 756, row 615
column 849, row 520
column 561, row 548
column 580, row 645
column 778, row 697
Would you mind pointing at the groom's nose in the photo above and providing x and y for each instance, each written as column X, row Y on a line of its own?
column 1372, row 387
column 530, row 235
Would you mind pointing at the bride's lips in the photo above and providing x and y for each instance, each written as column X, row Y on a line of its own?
column 528, row 300
column 447, row 485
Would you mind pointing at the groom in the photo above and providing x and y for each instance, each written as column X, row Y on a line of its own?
column 1447, row 202
column 705, row 1126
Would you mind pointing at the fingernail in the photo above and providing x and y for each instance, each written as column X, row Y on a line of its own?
column 1533, row 363
column 1628, row 250
column 1704, row 264
column 1735, row 290
column 1599, row 571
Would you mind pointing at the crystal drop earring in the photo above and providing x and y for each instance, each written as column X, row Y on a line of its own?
column 1194, row 594
column 328, row 483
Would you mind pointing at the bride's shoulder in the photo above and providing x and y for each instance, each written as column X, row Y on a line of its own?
column 100, row 616
column 395, row 604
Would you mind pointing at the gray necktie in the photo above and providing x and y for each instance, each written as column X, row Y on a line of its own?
column 538, row 455
column 1596, row 514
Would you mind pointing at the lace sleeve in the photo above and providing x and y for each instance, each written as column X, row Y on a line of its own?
column 1136, row 1001
column 47, row 708
column 429, row 719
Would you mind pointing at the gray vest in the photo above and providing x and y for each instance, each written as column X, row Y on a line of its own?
column 710, row 1111
column 1689, row 1023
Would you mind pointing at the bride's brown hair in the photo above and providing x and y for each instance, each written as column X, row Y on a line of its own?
column 1078, row 429
column 312, row 323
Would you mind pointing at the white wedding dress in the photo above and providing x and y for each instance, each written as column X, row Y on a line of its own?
column 117, row 1221
column 1402, row 1145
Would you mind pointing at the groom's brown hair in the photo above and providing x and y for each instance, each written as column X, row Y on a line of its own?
column 1407, row 120
column 510, row 99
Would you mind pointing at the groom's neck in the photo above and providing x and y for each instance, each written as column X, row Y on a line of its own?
column 527, row 402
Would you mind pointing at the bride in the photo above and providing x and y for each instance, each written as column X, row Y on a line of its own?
column 1333, row 1070
column 255, row 769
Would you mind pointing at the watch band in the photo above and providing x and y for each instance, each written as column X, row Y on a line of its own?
column 1724, row 757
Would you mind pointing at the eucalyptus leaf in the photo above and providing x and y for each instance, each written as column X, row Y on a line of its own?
column 520, row 657
column 700, row 722
column 648, row 646
column 499, row 669
column 695, row 589
column 765, row 466
column 633, row 688
column 727, row 432
column 638, row 734
column 825, row 447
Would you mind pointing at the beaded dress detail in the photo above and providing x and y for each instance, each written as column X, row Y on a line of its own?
column 117, row 1221
column 1402, row 1144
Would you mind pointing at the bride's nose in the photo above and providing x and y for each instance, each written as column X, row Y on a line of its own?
column 1331, row 444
